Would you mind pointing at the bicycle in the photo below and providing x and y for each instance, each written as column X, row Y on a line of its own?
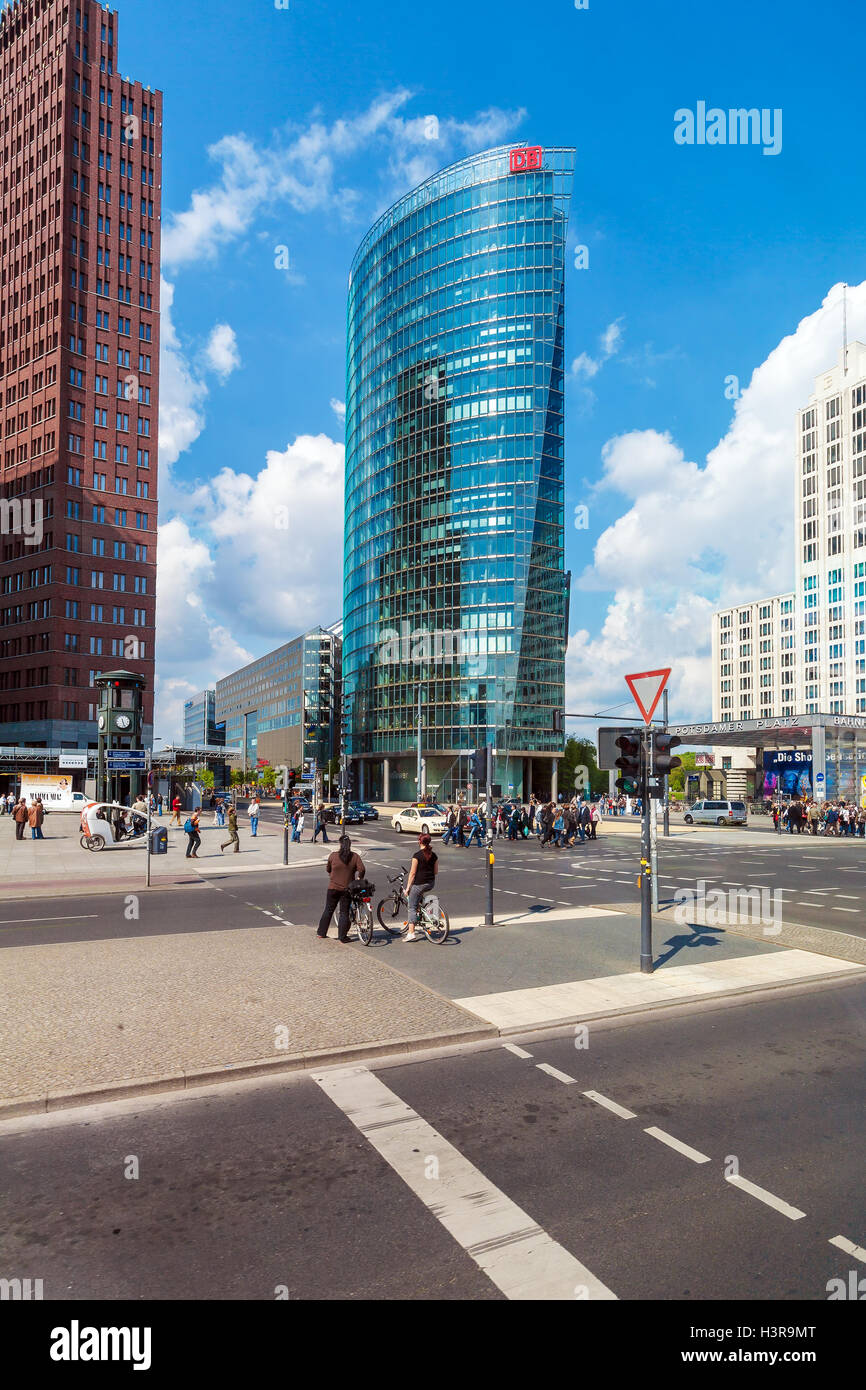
column 360, row 909
column 432, row 917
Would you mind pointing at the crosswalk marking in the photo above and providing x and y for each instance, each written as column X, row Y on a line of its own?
column 515, row 1253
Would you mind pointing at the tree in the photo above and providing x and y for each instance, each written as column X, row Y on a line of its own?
column 580, row 752
column 677, row 780
column 269, row 777
column 237, row 777
column 205, row 777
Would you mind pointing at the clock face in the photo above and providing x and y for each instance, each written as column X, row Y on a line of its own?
column 123, row 721
column 102, row 721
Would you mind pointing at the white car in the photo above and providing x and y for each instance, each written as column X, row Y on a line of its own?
column 419, row 820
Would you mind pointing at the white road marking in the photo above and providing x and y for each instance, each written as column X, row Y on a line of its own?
column 849, row 1247
column 81, row 917
column 763, row 1195
column 558, row 1075
column 515, row 1253
column 610, row 1105
column 694, row 1154
column 844, row 909
column 518, row 1051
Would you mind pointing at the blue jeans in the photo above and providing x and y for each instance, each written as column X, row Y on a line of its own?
column 36, row 832
column 476, row 831
column 254, row 824
column 450, row 836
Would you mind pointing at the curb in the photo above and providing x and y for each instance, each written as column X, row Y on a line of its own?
column 51, row 1101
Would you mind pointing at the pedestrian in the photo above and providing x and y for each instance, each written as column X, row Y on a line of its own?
column 814, row 816
column 253, row 812
column 139, row 815
column 233, row 838
column 422, row 877
column 35, row 817
column 320, row 825
column 462, row 819
column 175, row 806
column 20, row 816
column 191, row 826
column 594, row 818
column 475, row 827
column 221, row 812
column 343, row 867
column 299, row 825
column 450, row 827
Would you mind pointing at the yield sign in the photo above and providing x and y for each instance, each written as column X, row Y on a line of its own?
column 647, row 687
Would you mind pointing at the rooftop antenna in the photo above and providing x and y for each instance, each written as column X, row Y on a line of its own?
column 844, row 330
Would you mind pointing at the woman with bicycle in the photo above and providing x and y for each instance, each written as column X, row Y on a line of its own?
column 343, row 867
column 422, row 877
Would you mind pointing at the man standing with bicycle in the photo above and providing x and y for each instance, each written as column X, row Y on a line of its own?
column 342, row 867
column 422, row 877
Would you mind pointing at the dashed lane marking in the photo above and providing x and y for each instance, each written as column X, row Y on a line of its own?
column 849, row 1247
column 694, row 1154
column 518, row 1051
column 793, row 1213
column 515, row 1253
column 610, row 1105
column 557, row 1075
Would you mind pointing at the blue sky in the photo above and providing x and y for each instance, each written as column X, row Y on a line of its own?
column 295, row 127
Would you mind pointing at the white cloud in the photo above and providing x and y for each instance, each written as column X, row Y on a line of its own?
column 696, row 536
column 181, row 392
column 221, row 351
column 339, row 408
column 258, row 554
column 298, row 169
column 609, row 344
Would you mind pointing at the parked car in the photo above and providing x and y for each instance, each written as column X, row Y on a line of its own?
column 419, row 820
column 367, row 811
column 717, row 813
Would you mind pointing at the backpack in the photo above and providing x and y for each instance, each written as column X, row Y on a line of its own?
column 187, row 825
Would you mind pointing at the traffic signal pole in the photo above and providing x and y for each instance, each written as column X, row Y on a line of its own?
column 667, row 803
column 646, row 872
column 488, row 916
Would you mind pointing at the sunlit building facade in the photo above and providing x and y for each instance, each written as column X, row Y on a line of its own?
column 455, row 588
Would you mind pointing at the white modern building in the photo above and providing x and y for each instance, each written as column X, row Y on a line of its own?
column 804, row 652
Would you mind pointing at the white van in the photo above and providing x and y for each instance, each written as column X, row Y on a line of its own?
column 717, row 813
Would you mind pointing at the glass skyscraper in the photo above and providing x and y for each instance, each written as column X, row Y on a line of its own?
column 454, row 549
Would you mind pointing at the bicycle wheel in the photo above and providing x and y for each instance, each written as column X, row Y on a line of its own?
column 365, row 924
column 436, row 926
column 390, row 907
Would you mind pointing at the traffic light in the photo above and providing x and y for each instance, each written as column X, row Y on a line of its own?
column 663, row 763
column 557, row 721
column 630, row 763
column 479, row 765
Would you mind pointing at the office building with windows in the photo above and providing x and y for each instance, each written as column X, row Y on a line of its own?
column 199, row 721
column 284, row 709
column 80, row 153
column 455, row 593
column 804, row 653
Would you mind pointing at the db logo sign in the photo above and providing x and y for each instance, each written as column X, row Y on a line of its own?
column 521, row 160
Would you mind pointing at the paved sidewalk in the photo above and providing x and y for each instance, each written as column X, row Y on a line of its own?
column 132, row 1014
column 58, row 863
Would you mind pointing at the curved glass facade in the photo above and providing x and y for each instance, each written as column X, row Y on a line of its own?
column 454, row 545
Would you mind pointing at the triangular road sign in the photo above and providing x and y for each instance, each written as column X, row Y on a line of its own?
column 647, row 687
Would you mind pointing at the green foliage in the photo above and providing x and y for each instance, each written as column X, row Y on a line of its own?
column 580, row 752
column 678, row 776
column 268, row 777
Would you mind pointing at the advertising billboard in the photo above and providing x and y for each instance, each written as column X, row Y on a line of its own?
column 787, row 772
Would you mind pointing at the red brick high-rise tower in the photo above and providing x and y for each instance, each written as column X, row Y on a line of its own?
column 80, row 195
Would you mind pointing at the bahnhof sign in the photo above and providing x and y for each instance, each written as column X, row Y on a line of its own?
column 837, row 743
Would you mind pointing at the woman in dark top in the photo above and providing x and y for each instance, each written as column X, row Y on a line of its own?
column 343, row 867
column 422, row 877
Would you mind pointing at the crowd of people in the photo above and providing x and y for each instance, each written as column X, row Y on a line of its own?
column 820, row 818
column 553, row 824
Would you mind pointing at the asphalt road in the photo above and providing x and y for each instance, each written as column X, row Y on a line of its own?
column 820, row 883
column 731, row 1164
